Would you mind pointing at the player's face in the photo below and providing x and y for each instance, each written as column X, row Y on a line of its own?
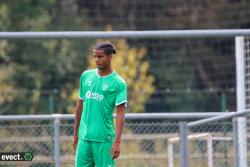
column 102, row 60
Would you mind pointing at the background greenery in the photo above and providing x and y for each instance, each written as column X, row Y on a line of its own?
column 190, row 75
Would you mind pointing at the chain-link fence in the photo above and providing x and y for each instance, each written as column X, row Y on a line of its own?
column 216, row 142
column 205, row 81
column 211, row 145
column 149, row 141
column 28, row 136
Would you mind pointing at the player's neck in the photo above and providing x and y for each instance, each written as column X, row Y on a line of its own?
column 104, row 72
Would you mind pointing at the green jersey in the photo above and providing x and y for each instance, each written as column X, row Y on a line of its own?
column 100, row 96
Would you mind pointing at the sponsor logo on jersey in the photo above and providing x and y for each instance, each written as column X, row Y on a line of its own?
column 94, row 95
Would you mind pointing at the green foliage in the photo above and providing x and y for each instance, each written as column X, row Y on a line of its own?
column 43, row 72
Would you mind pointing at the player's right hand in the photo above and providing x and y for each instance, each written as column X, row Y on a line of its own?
column 75, row 141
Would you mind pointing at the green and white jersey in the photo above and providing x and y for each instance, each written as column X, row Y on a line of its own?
column 100, row 97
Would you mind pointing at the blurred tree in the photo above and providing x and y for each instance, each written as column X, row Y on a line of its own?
column 202, row 61
column 42, row 70
column 175, row 14
column 6, row 89
column 48, row 69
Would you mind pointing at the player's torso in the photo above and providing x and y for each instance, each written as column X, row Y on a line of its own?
column 99, row 103
column 100, row 90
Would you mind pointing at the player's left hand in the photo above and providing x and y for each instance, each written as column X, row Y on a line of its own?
column 115, row 150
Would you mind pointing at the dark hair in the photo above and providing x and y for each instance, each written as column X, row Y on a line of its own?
column 107, row 47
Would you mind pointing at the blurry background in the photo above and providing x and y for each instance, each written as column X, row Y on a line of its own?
column 166, row 75
column 41, row 76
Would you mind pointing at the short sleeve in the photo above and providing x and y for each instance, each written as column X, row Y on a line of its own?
column 121, row 94
column 81, row 88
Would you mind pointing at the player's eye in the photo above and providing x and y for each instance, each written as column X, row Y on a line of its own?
column 98, row 56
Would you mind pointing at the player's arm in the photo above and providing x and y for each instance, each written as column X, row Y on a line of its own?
column 78, row 114
column 120, row 114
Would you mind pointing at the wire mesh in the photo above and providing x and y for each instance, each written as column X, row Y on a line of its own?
column 247, row 71
column 247, row 86
column 144, row 142
column 126, row 15
column 207, row 74
column 28, row 136
column 211, row 145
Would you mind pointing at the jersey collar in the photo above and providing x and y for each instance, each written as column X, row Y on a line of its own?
column 105, row 75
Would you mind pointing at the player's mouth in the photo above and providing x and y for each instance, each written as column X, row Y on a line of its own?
column 98, row 64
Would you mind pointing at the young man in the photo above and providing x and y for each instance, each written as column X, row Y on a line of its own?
column 101, row 91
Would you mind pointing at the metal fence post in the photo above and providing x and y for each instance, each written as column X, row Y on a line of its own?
column 183, row 144
column 57, row 141
column 170, row 155
column 235, row 142
column 210, row 150
column 241, row 98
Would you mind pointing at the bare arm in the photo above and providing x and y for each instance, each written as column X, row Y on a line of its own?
column 120, row 112
column 78, row 114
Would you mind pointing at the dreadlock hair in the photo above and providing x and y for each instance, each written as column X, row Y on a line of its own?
column 107, row 47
